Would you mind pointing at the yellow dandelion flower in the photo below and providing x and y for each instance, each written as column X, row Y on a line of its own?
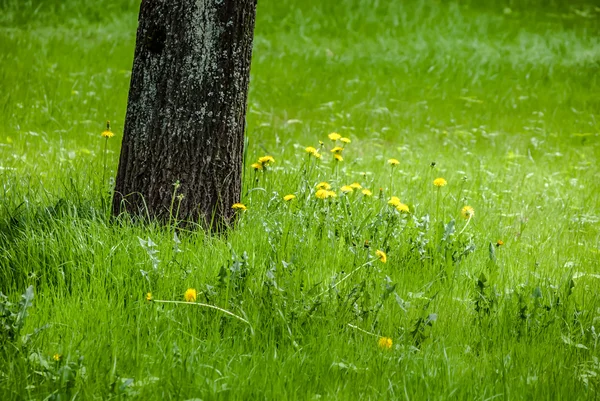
column 346, row 189
column 440, row 182
column 394, row 201
column 402, row 208
column 467, row 212
column 190, row 295
column 499, row 242
column 321, row 194
column 239, row 206
column 366, row 192
column 257, row 166
column 384, row 343
column 289, row 197
column 323, row 185
column 57, row 357
column 149, row 297
column 334, row 136
column 312, row 152
column 345, row 140
column 324, row 194
column 393, row 162
column 266, row 160
column 107, row 133
column 356, row 185
column 337, row 149
column 381, row 256
column 338, row 157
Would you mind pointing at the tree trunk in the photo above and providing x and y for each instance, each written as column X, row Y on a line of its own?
column 186, row 111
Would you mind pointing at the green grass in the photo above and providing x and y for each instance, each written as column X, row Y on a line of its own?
column 503, row 97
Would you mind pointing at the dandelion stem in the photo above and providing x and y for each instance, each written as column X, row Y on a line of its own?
column 347, row 276
column 362, row 330
column 175, row 187
column 104, row 161
column 205, row 306
column 334, row 169
column 437, row 205
column 458, row 198
column 346, row 203
column 466, row 225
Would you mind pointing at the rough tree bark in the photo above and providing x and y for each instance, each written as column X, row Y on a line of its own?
column 186, row 110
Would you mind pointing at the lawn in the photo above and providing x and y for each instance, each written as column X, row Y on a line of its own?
column 484, row 286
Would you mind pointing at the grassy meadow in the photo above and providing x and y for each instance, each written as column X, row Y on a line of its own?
column 485, row 288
